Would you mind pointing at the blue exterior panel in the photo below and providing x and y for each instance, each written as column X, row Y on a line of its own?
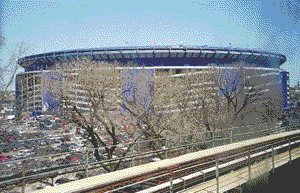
column 137, row 90
column 284, row 78
column 51, row 98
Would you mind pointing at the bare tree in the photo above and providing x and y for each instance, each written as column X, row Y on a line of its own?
column 273, row 110
column 103, row 97
column 240, row 96
column 255, row 100
column 94, row 94
column 92, row 83
column 200, row 105
column 224, row 99
column 8, row 71
column 158, row 116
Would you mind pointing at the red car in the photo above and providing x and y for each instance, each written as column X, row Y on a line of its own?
column 74, row 159
column 110, row 142
column 10, row 139
column 127, row 141
column 4, row 158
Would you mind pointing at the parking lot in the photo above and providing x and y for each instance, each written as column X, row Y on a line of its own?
column 24, row 144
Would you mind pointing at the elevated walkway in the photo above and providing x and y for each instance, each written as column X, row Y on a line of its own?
column 239, row 177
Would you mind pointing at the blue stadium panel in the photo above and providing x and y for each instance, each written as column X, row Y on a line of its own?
column 137, row 91
column 229, row 81
column 50, row 99
column 17, row 95
column 284, row 78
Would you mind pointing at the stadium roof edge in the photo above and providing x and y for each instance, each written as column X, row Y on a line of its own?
column 170, row 48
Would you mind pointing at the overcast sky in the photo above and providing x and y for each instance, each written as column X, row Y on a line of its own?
column 58, row 25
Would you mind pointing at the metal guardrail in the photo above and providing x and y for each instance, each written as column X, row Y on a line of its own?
column 200, row 175
column 211, row 160
column 133, row 156
column 269, row 160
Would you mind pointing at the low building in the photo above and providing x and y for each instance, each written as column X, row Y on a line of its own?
column 7, row 107
column 295, row 97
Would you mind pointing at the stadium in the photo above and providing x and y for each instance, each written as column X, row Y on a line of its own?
column 260, row 67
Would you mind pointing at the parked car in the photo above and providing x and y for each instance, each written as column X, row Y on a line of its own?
column 4, row 158
column 92, row 159
column 30, row 144
column 80, row 144
column 105, row 155
column 4, row 174
column 43, row 187
column 109, row 142
column 40, row 165
column 40, row 151
column 61, row 181
column 72, row 144
column 7, row 166
column 122, row 146
column 62, row 162
column 80, row 175
column 76, row 158
column 25, row 153
column 63, row 148
column 43, row 142
column 79, row 138
column 155, row 159
column 47, row 141
column 11, row 139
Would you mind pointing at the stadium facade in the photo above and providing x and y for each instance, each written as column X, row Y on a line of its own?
column 260, row 67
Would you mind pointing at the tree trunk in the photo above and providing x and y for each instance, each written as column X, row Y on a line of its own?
column 209, row 130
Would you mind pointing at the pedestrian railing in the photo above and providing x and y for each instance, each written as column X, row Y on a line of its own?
column 186, row 171
column 173, row 147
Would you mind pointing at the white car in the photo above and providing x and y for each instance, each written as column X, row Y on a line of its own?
column 73, row 178
column 55, row 145
column 123, row 147
column 79, row 143
column 74, row 149
column 155, row 159
column 79, row 138
column 25, row 152
column 113, row 156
